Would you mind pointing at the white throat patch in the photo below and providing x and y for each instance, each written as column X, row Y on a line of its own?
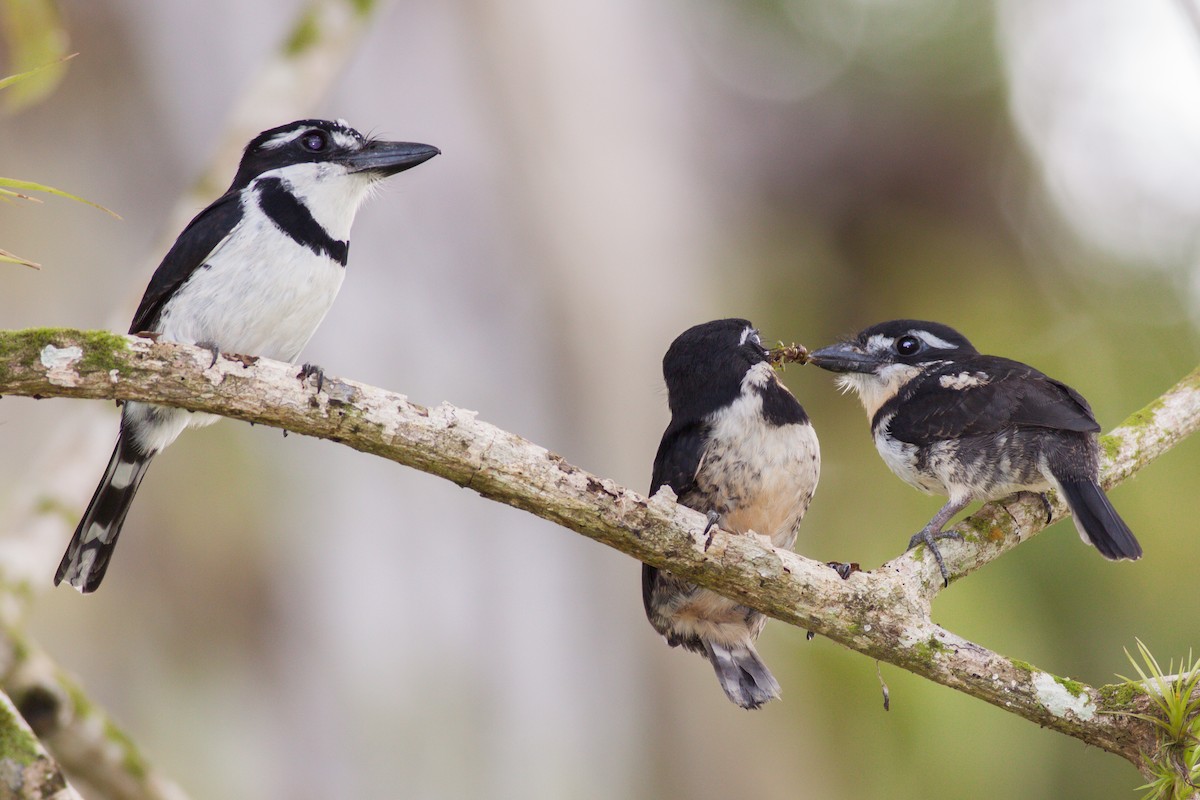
column 876, row 388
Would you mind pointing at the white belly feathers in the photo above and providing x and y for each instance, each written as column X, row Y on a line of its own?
column 250, row 299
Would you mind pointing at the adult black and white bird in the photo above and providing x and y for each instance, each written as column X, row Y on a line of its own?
column 254, row 273
column 951, row 421
column 740, row 449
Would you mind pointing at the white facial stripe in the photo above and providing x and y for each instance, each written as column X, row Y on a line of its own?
column 933, row 341
column 879, row 342
column 346, row 141
column 750, row 335
column 280, row 139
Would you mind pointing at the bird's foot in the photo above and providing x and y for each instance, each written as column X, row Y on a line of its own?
column 710, row 529
column 1045, row 503
column 212, row 348
column 310, row 370
column 844, row 570
column 929, row 539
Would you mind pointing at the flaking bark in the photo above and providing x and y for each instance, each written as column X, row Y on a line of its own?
column 883, row 613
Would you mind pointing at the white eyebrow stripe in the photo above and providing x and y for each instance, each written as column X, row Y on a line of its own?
column 345, row 137
column 280, row 139
column 748, row 333
column 933, row 341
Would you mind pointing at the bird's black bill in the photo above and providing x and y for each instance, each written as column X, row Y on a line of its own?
column 388, row 158
column 843, row 358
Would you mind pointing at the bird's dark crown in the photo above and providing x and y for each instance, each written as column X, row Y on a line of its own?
column 880, row 347
column 705, row 365
column 299, row 142
column 914, row 341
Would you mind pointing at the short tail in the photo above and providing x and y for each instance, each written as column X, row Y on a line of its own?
column 1098, row 522
column 743, row 675
column 87, row 555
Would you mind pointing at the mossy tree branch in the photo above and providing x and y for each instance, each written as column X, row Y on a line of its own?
column 94, row 751
column 883, row 613
column 50, row 708
column 26, row 770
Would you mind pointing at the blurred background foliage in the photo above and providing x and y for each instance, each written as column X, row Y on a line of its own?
column 290, row 620
column 34, row 37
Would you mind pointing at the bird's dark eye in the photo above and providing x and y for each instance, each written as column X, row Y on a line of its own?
column 908, row 345
column 314, row 141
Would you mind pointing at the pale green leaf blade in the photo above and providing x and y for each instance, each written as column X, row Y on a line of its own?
column 18, row 186
column 36, row 41
column 20, row 76
column 12, row 258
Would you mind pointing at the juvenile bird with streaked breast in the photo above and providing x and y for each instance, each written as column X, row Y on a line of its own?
column 741, row 449
column 254, row 273
column 951, row 421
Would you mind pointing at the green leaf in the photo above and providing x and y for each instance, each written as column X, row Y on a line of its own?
column 11, row 258
column 37, row 43
column 20, row 76
column 11, row 184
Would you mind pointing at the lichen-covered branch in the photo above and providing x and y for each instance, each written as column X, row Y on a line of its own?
column 41, row 512
column 50, row 710
column 97, row 755
column 322, row 38
column 883, row 613
column 26, row 770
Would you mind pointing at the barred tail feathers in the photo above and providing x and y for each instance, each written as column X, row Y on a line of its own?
column 86, row 559
column 743, row 675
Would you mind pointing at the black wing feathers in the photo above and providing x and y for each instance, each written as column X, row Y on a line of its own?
column 675, row 465
column 678, row 457
column 197, row 242
column 997, row 395
column 649, row 578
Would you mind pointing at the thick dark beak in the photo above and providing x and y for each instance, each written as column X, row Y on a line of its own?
column 843, row 357
column 388, row 158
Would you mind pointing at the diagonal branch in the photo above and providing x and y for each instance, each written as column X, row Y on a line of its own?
column 323, row 37
column 87, row 743
column 26, row 770
column 883, row 613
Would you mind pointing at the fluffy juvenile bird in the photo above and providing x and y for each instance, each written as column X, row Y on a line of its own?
column 951, row 421
column 740, row 449
column 254, row 273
